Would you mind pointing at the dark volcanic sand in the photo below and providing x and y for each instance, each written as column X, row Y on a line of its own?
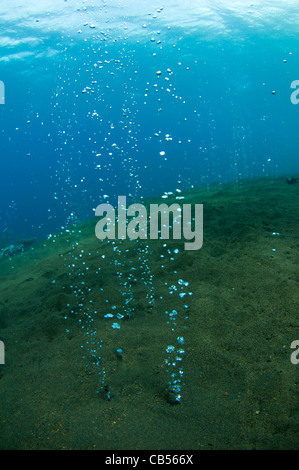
column 241, row 389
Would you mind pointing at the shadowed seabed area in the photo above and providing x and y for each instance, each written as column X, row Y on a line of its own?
column 239, row 387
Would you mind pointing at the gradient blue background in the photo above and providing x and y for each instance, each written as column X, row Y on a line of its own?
column 224, row 121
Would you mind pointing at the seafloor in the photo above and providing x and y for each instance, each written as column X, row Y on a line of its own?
column 240, row 387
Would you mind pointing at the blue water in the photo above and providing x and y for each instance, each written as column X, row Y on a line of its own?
column 97, row 91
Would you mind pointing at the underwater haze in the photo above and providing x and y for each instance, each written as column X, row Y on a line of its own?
column 87, row 114
column 135, row 342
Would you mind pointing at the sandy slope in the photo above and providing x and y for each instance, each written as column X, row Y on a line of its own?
column 240, row 387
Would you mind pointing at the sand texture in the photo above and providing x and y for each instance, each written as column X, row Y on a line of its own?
column 238, row 319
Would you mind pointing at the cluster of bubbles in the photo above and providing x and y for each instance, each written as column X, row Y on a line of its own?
column 83, row 309
column 111, row 152
column 177, row 320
